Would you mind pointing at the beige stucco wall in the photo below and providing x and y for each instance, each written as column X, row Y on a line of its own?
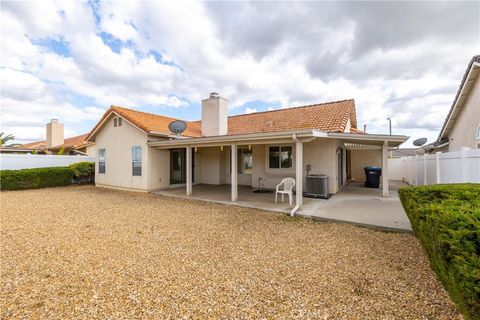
column 208, row 165
column 363, row 158
column 320, row 154
column 159, row 169
column 91, row 150
column 464, row 130
column 118, row 143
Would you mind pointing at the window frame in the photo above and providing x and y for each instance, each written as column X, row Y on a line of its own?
column 279, row 169
column 136, row 161
column 101, row 160
column 120, row 121
column 115, row 121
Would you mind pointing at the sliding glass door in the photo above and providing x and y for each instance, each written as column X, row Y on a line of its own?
column 178, row 166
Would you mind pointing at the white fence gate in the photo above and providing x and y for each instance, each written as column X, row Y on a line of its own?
column 16, row 161
column 449, row 167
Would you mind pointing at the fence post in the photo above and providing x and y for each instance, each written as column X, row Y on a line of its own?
column 464, row 165
column 425, row 169
column 437, row 161
column 416, row 169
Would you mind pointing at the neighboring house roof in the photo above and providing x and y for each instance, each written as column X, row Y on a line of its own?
column 463, row 91
column 328, row 117
column 69, row 143
column 406, row 152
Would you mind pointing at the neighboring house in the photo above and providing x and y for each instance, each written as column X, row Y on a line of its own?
column 55, row 142
column 462, row 126
column 136, row 151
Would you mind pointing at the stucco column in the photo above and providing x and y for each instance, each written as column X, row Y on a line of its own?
column 234, row 185
column 299, row 174
column 385, row 169
column 189, row 170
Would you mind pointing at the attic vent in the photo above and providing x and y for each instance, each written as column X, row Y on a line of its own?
column 270, row 123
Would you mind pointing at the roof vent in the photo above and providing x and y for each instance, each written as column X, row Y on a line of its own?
column 270, row 123
column 214, row 95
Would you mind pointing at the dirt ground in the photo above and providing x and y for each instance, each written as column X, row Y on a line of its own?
column 84, row 252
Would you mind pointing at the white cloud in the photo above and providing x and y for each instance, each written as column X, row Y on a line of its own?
column 285, row 53
column 250, row 110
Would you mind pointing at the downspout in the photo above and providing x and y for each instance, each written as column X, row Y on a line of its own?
column 297, row 206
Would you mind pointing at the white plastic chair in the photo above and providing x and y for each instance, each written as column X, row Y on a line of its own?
column 288, row 184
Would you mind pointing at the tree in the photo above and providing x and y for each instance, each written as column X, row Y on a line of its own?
column 5, row 138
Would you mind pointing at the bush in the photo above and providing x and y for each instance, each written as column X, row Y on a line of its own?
column 83, row 172
column 35, row 178
column 446, row 220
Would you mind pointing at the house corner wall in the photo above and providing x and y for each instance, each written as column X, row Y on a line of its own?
column 118, row 143
column 464, row 131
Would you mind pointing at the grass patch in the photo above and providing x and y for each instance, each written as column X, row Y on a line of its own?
column 446, row 220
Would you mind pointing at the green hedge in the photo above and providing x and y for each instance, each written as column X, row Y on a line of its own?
column 446, row 220
column 35, row 178
column 83, row 172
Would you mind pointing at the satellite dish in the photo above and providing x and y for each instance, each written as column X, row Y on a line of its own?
column 177, row 127
column 420, row 142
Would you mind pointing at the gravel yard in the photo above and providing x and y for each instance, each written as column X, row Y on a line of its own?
column 85, row 252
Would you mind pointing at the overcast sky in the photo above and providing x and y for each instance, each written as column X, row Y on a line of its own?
column 72, row 60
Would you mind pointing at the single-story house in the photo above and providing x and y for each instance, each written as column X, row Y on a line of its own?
column 461, row 128
column 136, row 150
column 55, row 142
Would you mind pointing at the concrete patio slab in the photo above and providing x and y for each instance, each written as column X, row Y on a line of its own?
column 355, row 204
column 363, row 206
column 246, row 198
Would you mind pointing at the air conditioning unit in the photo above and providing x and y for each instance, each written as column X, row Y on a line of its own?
column 317, row 186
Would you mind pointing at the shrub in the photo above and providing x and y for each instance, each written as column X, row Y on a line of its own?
column 83, row 172
column 446, row 220
column 35, row 178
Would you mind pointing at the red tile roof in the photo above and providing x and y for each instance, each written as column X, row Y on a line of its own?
column 73, row 142
column 329, row 117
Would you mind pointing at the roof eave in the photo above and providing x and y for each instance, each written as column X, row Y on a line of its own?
column 249, row 137
column 470, row 74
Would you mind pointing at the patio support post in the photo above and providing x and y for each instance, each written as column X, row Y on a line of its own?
column 385, row 169
column 234, row 185
column 299, row 174
column 189, row 170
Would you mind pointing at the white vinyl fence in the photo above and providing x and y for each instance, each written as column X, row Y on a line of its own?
column 449, row 167
column 26, row 161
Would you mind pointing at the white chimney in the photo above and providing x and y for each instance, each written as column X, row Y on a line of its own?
column 214, row 115
column 54, row 133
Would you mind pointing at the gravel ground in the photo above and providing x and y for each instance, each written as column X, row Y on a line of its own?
column 84, row 252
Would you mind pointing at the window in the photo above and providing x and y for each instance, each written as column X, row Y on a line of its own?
column 101, row 160
column 115, row 122
column 244, row 161
column 119, row 122
column 136, row 161
column 279, row 157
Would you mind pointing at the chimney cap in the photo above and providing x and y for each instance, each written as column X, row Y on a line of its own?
column 54, row 121
column 214, row 95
